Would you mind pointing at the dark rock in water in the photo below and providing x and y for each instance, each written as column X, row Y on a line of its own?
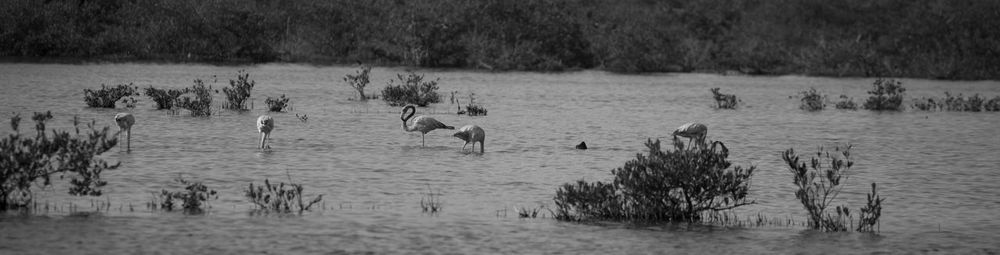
column 582, row 146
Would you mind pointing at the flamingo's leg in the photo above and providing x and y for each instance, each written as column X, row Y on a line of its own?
column 128, row 139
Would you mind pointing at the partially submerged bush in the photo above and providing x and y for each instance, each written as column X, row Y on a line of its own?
column 724, row 101
column 32, row 160
column 359, row 81
column 885, row 95
column 846, row 103
column 819, row 184
column 431, row 202
column 192, row 198
column 472, row 109
column 201, row 105
column 106, row 97
column 675, row 185
column 280, row 197
column 164, row 98
column 276, row 104
column 411, row 90
column 812, row 100
column 238, row 91
column 950, row 102
column 993, row 105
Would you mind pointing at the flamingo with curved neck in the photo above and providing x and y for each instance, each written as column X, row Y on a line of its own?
column 421, row 123
column 472, row 134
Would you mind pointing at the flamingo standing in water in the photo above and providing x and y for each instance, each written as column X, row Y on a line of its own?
column 421, row 123
column 472, row 134
column 264, row 125
column 125, row 122
column 693, row 131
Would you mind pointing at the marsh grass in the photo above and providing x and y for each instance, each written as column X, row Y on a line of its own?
column 886, row 95
column 411, row 89
column 31, row 160
column 662, row 185
column 165, row 98
column 277, row 104
column 280, row 197
column 846, row 103
column 201, row 103
column 193, row 199
column 359, row 81
column 431, row 202
column 812, row 100
column 819, row 184
column 107, row 96
column 238, row 91
column 724, row 101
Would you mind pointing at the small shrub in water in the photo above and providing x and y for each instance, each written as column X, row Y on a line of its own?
column 32, row 160
column 238, row 91
column 359, row 81
column 819, row 184
column 201, row 105
column 276, row 104
column 677, row 185
column 411, row 90
column 926, row 104
column 846, row 103
column 279, row 197
column 885, row 95
column 193, row 197
column 812, row 100
column 724, row 101
column 472, row 109
column 164, row 98
column 106, row 97
column 430, row 202
column 993, row 105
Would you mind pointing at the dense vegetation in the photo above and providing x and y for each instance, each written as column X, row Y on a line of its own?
column 935, row 39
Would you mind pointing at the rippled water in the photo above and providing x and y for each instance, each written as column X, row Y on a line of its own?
column 937, row 170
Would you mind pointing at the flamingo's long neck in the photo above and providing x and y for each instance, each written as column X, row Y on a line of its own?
column 407, row 118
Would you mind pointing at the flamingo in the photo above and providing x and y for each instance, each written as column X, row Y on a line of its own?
column 421, row 123
column 125, row 121
column 472, row 134
column 693, row 131
column 264, row 125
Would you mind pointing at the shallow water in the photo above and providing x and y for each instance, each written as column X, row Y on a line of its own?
column 937, row 170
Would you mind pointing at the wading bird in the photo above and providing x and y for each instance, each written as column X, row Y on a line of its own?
column 421, row 123
column 264, row 125
column 125, row 122
column 693, row 131
column 472, row 134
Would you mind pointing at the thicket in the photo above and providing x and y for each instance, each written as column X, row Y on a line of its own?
column 812, row 100
column 164, row 98
column 411, row 89
column 279, row 197
column 201, row 103
column 898, row 38
column 32, row 160
column 662, row 185
column 192, row 199
column 107, row 96
column 885, row 95
column 277, row 104
column 238, row 91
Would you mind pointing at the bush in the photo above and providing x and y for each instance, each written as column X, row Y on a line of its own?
column 812, row 100
column 106, row 97
column 164, row 98
column 238, row 91
column 202, row 103
column 993, row 105
column 846, row 103
column 280, row 197
column 194, row 195
column 951, row 102
column 817, row 194
column 472, row 109
column 276, row 104
column 411, row 90
column 662, row 185
column 31, row 160
column 724, row 101
column 359, row 81
column 886, row 95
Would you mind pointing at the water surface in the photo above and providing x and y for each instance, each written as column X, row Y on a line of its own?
column 937, row 170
